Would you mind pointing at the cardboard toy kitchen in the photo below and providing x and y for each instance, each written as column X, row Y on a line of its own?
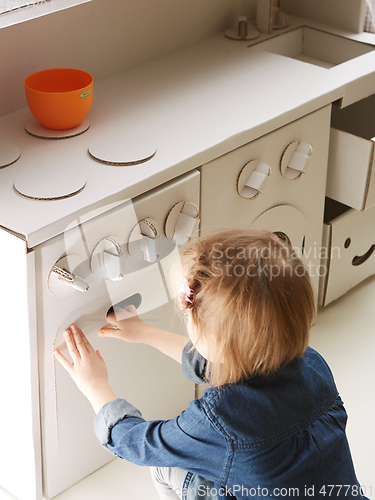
column 227, row 123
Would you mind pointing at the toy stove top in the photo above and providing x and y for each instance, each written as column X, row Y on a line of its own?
column 58, row 184
column 57, row 177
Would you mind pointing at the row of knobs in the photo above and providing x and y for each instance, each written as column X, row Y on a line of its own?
column 255, row 174
column 108, row 259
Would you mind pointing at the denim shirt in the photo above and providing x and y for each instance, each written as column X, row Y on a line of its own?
column 276, row 435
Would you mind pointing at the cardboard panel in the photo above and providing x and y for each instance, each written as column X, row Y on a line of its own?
column 350, row 250
column 145, row 377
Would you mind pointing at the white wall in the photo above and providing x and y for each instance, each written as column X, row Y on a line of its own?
column 106, row 36
column 346, row 14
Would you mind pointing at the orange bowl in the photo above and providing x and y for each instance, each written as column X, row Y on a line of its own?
column 59, row 98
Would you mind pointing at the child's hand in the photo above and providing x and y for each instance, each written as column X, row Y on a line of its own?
column 88, row 369
column 132, row 329
column 128, row 325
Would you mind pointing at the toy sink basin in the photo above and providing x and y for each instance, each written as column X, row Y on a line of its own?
column 315, row 47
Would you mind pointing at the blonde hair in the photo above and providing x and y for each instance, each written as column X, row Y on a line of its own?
column 253, row 301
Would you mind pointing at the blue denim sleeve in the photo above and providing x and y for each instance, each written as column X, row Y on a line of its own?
column 189, row 441
column 110, row 415
column 193, row 364
column 193, row 368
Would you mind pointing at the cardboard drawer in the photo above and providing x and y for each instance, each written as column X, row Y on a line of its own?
column 350, row 166
column 348, row 250
column 351, row 177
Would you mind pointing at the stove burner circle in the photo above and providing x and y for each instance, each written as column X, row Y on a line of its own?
column 122, row 150
column 36, row 129
column 9, row 153
column 49, row 185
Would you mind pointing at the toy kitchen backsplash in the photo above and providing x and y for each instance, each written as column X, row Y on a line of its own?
column 256, row 132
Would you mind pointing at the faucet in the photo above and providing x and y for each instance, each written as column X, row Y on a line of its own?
column 270, row 17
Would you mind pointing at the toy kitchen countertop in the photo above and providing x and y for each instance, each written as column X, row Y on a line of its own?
column 190, row 106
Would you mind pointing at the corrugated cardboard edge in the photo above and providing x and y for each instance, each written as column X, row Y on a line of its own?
column 122, row 163
column 370, row 170
column 11, row 163
column 326, row 262
column 14, row 233
column 58, row 138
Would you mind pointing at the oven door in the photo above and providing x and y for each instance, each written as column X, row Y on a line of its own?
column 134, row 236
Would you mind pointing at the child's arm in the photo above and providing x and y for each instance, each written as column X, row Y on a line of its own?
column 131, row 328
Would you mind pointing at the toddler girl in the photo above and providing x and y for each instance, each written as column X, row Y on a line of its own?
column 271, row 422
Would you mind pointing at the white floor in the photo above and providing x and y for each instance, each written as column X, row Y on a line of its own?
column 345, row 335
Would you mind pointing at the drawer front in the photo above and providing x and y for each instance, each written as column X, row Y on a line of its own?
column 350, row 177
column 350, row 245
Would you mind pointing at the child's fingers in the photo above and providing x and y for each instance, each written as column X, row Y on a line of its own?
column 109, row 332
column 100, row 356
column 80, row 344
column 71, row 344
column 89, row 347
column 61, row 358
